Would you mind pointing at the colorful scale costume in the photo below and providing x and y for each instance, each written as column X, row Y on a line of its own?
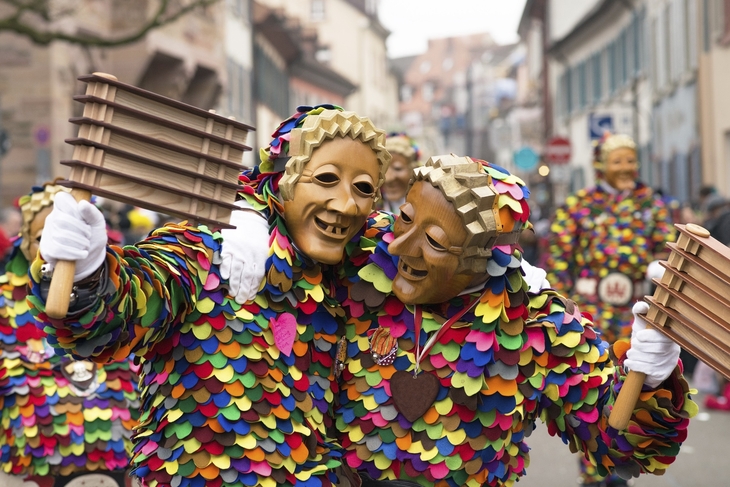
column 511, row 360
column 222, row 406
column 598, row 232
column 60, row 417
column 232, row 395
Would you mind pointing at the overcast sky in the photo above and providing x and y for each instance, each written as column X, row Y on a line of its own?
column 413, row 22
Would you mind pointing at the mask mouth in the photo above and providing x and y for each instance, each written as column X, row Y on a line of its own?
column 410, row 272
column 333, row 230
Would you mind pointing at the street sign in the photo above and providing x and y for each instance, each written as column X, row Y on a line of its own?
column 558, row 151
column 526, row 158
column 598, row 124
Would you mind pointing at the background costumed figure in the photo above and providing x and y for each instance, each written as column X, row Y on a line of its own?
column 445, row 394
column 61, row 417
column 605, row 244
column 232, row 394
column 406, row 157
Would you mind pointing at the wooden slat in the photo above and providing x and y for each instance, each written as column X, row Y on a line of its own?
column 164, row 101
column 189, row 147
column 691, row 303
column 142, row 175
column 696, row 341
column 148, row 123
column 697, row 268
column 140, row 180
column 119, row 188
column 122, row 160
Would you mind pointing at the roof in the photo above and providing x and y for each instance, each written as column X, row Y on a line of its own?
column 533, row 9
column 588, row 21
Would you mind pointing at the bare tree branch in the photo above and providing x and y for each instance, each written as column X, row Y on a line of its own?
column 15, row 23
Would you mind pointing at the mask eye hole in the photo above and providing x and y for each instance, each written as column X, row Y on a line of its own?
column 365, row 188
column 433, row 243
column 327, row 178
column 405, row 218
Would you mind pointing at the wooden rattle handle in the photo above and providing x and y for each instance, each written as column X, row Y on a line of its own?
column 59, row 293
column 626, row 400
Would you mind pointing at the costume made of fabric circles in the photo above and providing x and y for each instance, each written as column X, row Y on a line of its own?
column 514, row 358
column 223, row 404
column 599, row 232
column 60, row 416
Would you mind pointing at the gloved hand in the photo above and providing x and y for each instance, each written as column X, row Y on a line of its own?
column 244, row 253
column 535, row 277
column 654, row 270
column 651, row 352
column 74, row 231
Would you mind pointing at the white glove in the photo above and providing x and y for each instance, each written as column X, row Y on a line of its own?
column 244, row 253
column 651, row 352
column 74, row 231
column 654, row 270
column 535, row 277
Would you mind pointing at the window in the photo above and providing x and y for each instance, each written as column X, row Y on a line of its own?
column 612, row 68
column 425, row 67
column 582, row 86
column 575, row 86
column 655, row 53
column 406, row 93
column 637, row 26
column 597, row 78
column 568, row 83
column 317, row 10
column 667, row 39
column 564, row 91
column 323, row 55
column 628, row 35
column 427, row 91
column 239, row 91
column 621, row 60
column 690, row 35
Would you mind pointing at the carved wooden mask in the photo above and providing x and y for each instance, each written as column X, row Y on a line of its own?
column 429, row 235
column 397, row 178
column 333, row 198
column 621, row 168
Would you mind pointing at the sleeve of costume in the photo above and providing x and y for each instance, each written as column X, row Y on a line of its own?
column 579, row 384
column 563, row 244
column 149, row 288
column 664, row 232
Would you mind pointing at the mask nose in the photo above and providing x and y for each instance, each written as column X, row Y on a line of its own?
column 406, row 244
column 343, row 203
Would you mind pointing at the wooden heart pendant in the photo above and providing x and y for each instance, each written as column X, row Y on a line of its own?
column 413, row 395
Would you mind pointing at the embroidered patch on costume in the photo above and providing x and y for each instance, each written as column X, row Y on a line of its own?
column 341, row 356
column 81, row 375
column 616, row 289
column 383, row 346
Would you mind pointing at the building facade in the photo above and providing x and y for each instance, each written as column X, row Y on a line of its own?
column 713, row 20
column 286, row 71
column 633, row 66
column 352, row 42
column 601, row 81
column 184, row 60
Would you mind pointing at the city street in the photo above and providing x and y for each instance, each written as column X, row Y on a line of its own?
column 701, row 461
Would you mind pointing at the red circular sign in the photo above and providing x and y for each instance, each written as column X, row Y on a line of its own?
column 558, row 151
